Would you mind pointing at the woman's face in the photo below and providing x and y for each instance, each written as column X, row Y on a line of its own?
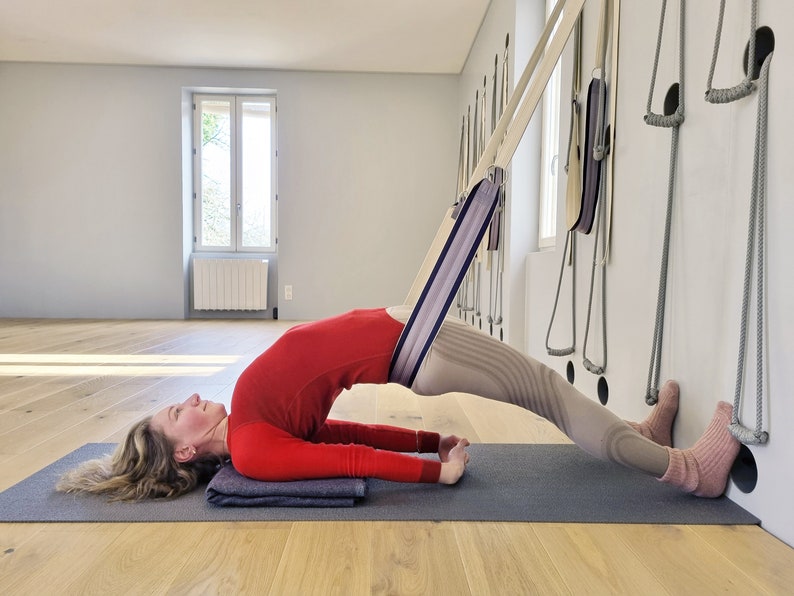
column 190, row 424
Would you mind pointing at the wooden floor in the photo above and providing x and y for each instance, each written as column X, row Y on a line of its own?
column 66, row 383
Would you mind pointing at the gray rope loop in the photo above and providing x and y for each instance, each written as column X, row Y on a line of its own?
column 662, row 121
column 718, row 96
column 599, row 215
column 748, row 436
column 560, row 352
column 596, row 370
column 746, row 87
column 569, row 239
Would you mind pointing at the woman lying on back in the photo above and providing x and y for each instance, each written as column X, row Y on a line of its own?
column 278, row 428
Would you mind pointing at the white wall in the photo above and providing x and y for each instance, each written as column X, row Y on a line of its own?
column 367, row 170
column 522, row 20
column 93, row 222
column 708, row 240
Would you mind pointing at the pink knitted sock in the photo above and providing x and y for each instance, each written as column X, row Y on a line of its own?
column 658, row 426
column 704, row 469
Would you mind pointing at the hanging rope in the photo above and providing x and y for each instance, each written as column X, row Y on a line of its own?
column 497, row 231
column 573, row 198
column 755, row 243
column 478, row 258
column 746, row 87
column 463, row 174
column 597, row 263
column 467, row 291
column 756, row 224
column 569, row 240
column 672, row 121
column 469, row 286
column 463, row 179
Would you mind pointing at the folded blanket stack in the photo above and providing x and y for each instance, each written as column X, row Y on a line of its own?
column 229, row 488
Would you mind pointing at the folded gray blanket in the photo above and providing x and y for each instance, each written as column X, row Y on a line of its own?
column 229, row 488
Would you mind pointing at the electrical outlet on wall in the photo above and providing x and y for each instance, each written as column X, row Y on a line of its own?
column 287, row 292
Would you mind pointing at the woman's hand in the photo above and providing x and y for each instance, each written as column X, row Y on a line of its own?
column 446, row 444
column 455, row 464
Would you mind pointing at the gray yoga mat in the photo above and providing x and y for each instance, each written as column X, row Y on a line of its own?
column 529, row 483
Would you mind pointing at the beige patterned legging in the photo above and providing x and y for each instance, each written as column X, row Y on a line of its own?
column 466, row 360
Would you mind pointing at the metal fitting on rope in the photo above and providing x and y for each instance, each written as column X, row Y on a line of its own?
column 493, row 171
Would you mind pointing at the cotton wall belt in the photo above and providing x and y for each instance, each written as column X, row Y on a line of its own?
column 473, row 219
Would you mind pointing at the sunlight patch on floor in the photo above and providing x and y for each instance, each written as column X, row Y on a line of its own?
column 30, row 365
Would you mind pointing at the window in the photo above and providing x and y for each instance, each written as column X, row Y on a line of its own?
column 235, row 173
column 550, row 159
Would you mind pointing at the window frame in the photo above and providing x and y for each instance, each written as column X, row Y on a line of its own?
column 236, row 171
column 550, row 157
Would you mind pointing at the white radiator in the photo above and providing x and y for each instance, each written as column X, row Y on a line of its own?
column 229, row 284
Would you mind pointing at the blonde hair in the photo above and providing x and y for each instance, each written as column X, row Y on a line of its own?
column 142, row 467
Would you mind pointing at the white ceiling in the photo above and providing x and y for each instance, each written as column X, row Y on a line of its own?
column 416, row 36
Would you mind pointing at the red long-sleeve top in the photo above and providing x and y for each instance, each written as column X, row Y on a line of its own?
column 278, row 428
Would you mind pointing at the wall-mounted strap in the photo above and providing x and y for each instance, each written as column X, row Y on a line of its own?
column 503, row 142
column 509, row 130
column 596, row 199
column 597, row 133
column 573, row 189
column 436, row 297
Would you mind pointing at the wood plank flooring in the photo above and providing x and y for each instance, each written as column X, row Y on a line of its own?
column 64, row 383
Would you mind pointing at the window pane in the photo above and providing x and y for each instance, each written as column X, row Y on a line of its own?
column 550, row 162
column 256, row 175
column 216, row 159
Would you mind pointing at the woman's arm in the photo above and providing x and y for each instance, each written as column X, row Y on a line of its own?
column 380, row 436
column 264, row 452
column 450, row 448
